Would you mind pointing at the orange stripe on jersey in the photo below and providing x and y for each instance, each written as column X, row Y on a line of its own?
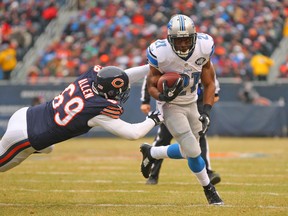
column 115, row 108
column 110, row 115
column 14, row 150
column 113, row 112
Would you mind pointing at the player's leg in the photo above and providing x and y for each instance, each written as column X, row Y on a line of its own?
column 14, row 145
column 213, row 176
column 163, row 138
column 180, row 121
column 180, row 127
column 196, row 164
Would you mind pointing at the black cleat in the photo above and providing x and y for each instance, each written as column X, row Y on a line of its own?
column 147, row 160
column 152, row 180
column 214, row 177
column 212, row 195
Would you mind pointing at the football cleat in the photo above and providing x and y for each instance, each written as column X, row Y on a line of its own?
column 152, row 180
column 212, row 195
column 147, row 160
column 214, row 177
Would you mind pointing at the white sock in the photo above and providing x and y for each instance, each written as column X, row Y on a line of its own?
column 202, row 177
column 159, row 152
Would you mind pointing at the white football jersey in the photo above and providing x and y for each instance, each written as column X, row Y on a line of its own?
column 161, row 56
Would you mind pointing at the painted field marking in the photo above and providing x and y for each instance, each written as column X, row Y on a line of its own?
column 237, row 155
column 135, row 191
column 142, row 205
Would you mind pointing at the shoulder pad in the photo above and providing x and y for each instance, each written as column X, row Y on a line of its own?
column 206, row 43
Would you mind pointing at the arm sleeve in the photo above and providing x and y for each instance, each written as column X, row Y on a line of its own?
column 121, row 128
column 137, row 73
column 145, row 97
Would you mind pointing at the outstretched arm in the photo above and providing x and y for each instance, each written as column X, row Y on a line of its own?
column 137, row 73
column 124, row 129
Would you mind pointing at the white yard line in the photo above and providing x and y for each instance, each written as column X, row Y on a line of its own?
column 134, row 191
column 162, row 183
column 140, row 205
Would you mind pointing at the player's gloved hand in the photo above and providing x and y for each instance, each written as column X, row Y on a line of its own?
column 156, row 116
column 205, row 119
column 205, row 124
column 171, row 93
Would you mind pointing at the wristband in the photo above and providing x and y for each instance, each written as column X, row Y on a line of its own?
column 206, row 109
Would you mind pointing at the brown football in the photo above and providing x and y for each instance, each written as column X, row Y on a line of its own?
column 171, row 78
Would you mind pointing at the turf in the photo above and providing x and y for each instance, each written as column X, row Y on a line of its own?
column 102, row 177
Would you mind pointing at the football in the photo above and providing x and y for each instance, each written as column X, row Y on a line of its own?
column 171, row 78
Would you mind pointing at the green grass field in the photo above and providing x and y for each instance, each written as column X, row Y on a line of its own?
column 102, row 176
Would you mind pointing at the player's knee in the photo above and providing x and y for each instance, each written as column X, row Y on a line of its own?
column 189, row 145
column 193, row 153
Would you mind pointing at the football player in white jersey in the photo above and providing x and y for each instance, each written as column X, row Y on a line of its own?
column 187, row 53
column 164, row 137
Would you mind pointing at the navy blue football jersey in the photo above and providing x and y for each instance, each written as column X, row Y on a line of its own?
column 67, row 115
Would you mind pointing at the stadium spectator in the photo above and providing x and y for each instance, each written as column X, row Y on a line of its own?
column 285, row 29
column 50, row 12
column 261, row 66
column 8, row 59
column 284, row 69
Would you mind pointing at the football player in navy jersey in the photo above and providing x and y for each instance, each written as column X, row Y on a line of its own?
column 93, row 99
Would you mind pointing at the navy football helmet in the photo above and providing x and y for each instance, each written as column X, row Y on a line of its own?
column 182, row 35
column 112, row 83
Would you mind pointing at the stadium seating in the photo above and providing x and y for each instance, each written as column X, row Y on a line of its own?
column 118, row 34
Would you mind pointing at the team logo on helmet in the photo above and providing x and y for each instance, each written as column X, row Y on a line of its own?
column 169, row 26
column 200, row 61
column 117, row 83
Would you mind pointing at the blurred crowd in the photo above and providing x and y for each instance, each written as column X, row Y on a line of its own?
column 117, row 32
column 21, row 22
